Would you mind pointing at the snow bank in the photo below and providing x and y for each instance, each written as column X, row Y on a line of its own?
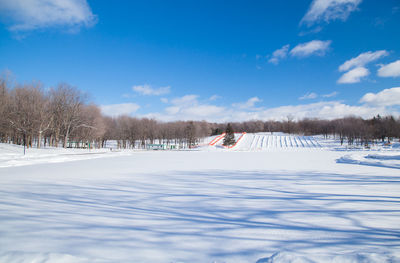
column 396, row 145
column 388, row 160
column 290, row 257
column 25, row 257
column 383, row 157
column 13, row 155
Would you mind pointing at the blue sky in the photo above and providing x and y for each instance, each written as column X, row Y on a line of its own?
column 211, row 60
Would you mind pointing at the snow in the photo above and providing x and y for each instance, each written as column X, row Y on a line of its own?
column 13, row 155
column 285, row 257
column 389, row 160
column 267, row 141
column 291, row 202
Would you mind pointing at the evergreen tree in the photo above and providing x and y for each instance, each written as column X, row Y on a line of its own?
column 229, row 136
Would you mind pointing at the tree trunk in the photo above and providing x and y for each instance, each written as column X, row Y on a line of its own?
column 39, row 139
column 66, row 139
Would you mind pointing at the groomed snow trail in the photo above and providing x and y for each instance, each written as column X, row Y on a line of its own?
column 266, row 141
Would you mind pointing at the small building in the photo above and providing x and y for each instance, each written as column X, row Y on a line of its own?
column 156, row 146
column 152, row 146
column 79, row 145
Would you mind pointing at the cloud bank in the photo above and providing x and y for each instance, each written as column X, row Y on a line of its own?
column 189, row 107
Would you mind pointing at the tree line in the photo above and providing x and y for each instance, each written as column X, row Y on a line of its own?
column 350, row 130
column 62, row 117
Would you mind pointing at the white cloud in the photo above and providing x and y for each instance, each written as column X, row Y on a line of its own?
column 327, row 10
column 314, row 47
column 119, row 109
column 247, row 104
column 390, row 70
column 27, row 15
column 354, row 75
column 164, row 100
column 185, row 100
column 313, row 95
column 386, row 97
column 279, row 54
column 214, row 98
column 363, row 59
column 314, row 30
column 330, row 95
column 149, row 91
column 308, row 96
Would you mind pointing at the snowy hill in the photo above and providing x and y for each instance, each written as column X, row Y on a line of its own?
column 266, row 141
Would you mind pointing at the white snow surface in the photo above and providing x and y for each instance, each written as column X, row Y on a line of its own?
column 389, row 160
column 267, row 141
column 13, row 155
column 252, row 203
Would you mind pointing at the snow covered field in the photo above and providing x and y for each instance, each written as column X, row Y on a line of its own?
column 253, row 203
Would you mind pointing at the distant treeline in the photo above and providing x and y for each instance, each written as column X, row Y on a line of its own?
column 351, row 130
column 62, row 117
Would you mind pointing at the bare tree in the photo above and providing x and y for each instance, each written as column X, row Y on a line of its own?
column 4, row 100
column 43, row 118
column 23, row 112
column 66, row 104
column 190, row 134
column 91, row 128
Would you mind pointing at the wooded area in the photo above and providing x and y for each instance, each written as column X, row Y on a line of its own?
column 62, row 117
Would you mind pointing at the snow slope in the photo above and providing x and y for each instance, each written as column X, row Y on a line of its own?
column 200, row 206
column 267, row 141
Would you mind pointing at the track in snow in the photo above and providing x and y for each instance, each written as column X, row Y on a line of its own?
column 264, row 141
